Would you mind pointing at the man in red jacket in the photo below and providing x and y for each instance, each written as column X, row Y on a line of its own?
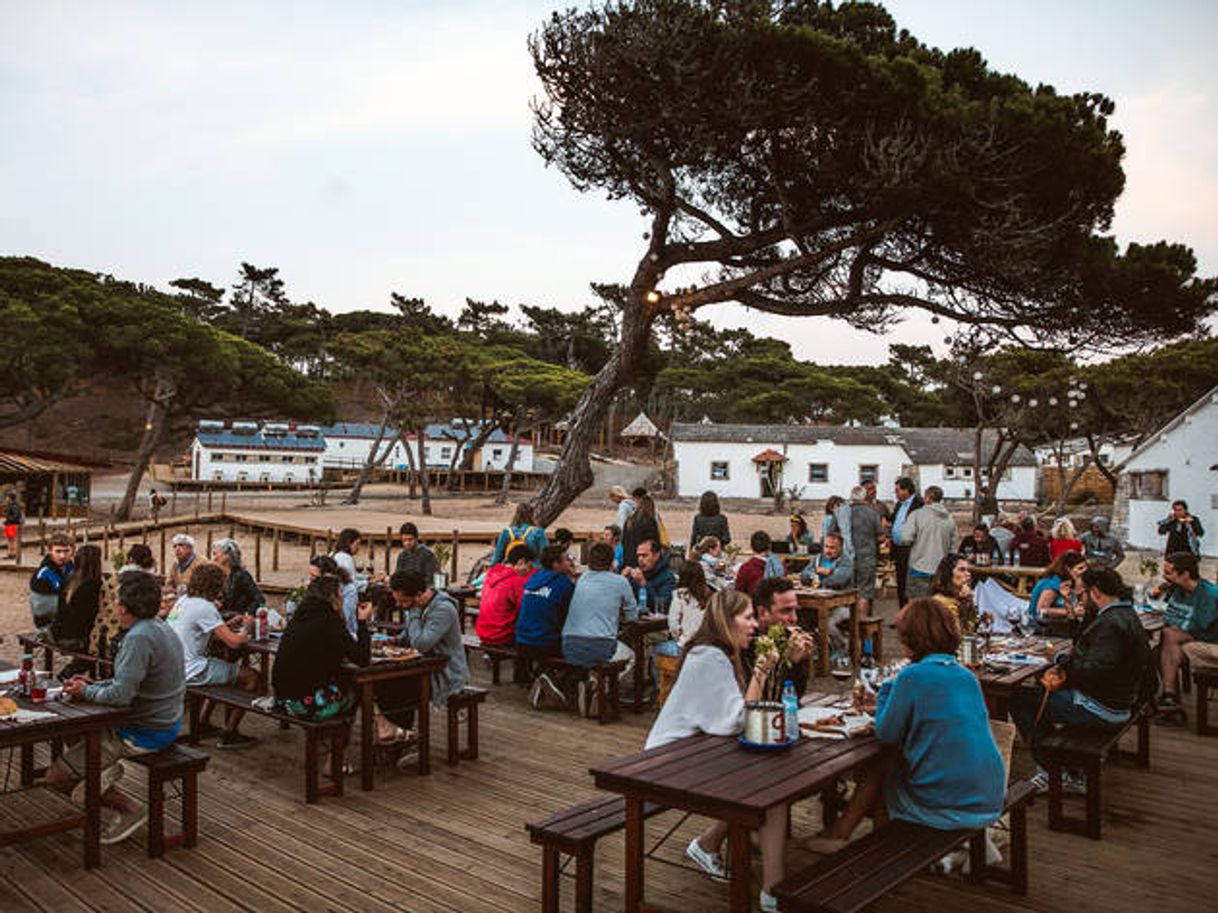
column 502, row 591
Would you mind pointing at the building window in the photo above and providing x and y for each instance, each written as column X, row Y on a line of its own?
column 289, row 459
column 966, row 472
column 217, row 458
column 497, row 453
column 818, row 472
column 241, row 457
column 870, row 473
column 949, row 472
column 719, row 471
column 446, row 453
column 1148, row 486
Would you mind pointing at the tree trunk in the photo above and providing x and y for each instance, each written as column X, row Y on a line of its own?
column 1064, row 488
column 154, row 430
column 506, row 489
column 420, row 437
column 573, row 474
column 414, row 469
column 978, row 434
column 1094, row 446
column 372, row 461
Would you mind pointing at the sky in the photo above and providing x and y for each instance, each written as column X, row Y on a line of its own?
column 369, row 147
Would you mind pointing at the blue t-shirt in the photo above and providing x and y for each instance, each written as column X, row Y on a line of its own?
column 1195, row 613
column 1048, row 583
column 543, row 609
column 952, row 776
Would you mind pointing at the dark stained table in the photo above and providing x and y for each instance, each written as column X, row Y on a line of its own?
column 999, row 685
column 635, row 633
column 72, row 719
column 822, row 601
column 716, row 776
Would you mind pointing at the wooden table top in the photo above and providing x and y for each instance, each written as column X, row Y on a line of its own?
column 718, row 777
column 1011, row 570
column 70, row 718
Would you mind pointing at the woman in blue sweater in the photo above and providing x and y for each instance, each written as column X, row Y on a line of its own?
column 946, row 772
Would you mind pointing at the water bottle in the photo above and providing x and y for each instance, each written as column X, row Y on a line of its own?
column 790, row 710
column 642, row 598
column 867, row 670
column 1015, row 557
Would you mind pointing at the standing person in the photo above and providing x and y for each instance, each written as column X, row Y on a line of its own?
column 906, row 504
column 829, row 523
column 762, row 564
column 709, row 521
column 523, row 530
column 1003, row 533
column 1063, row 538
column 148, row 678
column 866, row 531
column 930, row 533
column 1100, row 548
column 185, row 560
column 709, row 696
column 81, row 597
column 642, row 526
column 155, row 503
column 241, row 593
column 1191, row 624
column 871, row 499
column 625, row 505
column 653, row 573
column 1096, row 684
column 47, row 582
column 415, row 556
column 543, row 611
column 602, row 601
column 12, row 522
column 1029, row 547
column 1182, row 529
column 502, row 591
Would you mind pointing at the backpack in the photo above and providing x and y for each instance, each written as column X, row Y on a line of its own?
column 514, row 540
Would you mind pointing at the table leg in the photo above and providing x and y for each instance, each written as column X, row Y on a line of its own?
column 634, row 854
column 740, row 866
column 425, row 725
column 822, row 659
column 366, row 755
column 93, row 799
column 856, row 647
column 640, row 670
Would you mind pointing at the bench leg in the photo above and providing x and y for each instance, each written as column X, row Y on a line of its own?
column 549, row 879
column 471, row 734
column 976, row 858
column 193, row 702
column 311, row 767
column 1093, row 800
column 156, row 816
column 583, row 880
column 1056, row 819
column 454, row 736
column 1018, row 817
column 27, row 765
column 1143, row 741
column 495, row 670
column 338, row 753
column 190, row 809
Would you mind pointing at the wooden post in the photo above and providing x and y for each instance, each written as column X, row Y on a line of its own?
column 452, row 561
column 209, row 494
column 42, row 533
column 162, row 564
column 388, row 547
column 122, row 541
column 197, row 509
column 208, row 544
column 144, row 533
column 224, row 503
column 257, row 554
column 329, row 541
column 17, row 554
column 275, row 549
column 232, row 531
column 173, row 501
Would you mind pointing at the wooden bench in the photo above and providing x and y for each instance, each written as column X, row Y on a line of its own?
column 468, row 700
column 573, row 832
column 1087, row 750
column 178, row 762
column 495, row 654
column 336, row 728
column 867, row 869
column 1204, row 680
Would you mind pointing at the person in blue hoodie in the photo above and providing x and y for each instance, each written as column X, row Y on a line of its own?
column 543, row 611
column 47, row 588
column 521, row 531
column 947, row 772
column 652, row 579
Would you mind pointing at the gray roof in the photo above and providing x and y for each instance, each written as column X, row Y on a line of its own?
column 925, row 446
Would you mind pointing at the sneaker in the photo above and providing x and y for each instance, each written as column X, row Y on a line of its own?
column 767, row 902
column 583, row 696
column 535, row 695
column 1040, row 781
column 109, row 777
column 710, row 863
column 235, row 740
column 551, row 687
column 123, row 825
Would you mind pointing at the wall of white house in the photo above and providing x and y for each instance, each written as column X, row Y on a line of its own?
column 1185, row 454
column 495, row 456
column 228, row 464
column 728, row 469
column 351, row 452
column 1017, row 484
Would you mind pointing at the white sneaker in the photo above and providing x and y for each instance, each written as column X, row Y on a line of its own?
column 535, row 694
column 767, row 902
column 1040, row 781
column 710, row 863
column 550, row 687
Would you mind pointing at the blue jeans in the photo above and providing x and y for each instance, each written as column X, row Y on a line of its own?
column 666, row 648
column 1060, row 708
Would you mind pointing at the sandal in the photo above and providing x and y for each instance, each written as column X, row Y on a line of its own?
column 399, row 737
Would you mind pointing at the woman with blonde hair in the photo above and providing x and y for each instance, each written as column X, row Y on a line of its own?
column 709, row 697
column 1063, row 538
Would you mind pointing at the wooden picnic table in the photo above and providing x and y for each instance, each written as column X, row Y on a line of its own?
column 718, row 777
column 822, row 601
column 72, row 719
column 635, row 634
column 365, row 678
column 1025, row 577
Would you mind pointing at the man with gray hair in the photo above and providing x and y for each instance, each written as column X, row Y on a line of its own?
column 185, row 560
column 1101, row 548
column 930, row 534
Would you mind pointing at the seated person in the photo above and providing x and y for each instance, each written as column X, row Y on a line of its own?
column 195, row 619
column 1029, row 546
column 307, row 677
column 502, row 591
column 1058, row 593
column 687, row 609
column 800, row 540
column 613, row 535
column 952, row 587
column 1101, row 548
column 432, row 626
column 708, row 551
column 1095, row 685
column 82, row 593
column 651, row 579
column 709, row 696
column 775, row 603
column 148, row 678
column 241, row 593
column 832, row 568
column 1063, row 538
column 1003, row 534
column 602, row 601
column 563, row 538
column 415, row 556
column 948, row 773
column 762, row 564
column 185, row 560
column 48, row 582
column 1191, row 619
column 543, row 610
column 980, row 548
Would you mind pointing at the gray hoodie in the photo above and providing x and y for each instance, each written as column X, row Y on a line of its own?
column 931, row 532
column 1102, row 549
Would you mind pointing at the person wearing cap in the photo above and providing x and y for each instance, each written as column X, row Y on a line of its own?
column 182, row 568
column 1100, row 548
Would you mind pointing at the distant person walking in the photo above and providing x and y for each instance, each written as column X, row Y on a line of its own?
column 155, row 503
column 12, row 522
column 902, row 510
column 625, row 505
column 709, row 521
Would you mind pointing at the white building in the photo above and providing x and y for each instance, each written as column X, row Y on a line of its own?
column 1178, row 462
column 735, row 461
column 247, row 452
column 348, row 444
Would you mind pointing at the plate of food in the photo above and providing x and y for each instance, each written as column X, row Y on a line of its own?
column 393, row 651
column 830, row 722
column 8, row 708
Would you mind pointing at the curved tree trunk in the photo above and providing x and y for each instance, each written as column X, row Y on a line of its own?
column 154, row 430
column 410, row 462
column 420, row 438
column 506, row 489
column 1065, row 487
column 373, row 460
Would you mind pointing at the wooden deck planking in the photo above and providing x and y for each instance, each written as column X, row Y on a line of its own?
column 455, row 840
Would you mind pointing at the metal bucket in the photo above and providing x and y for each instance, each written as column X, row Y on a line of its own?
column 764, row 722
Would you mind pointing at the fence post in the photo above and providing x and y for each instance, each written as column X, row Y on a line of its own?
column 162, row 564
column 224, row 502
column 257, row 554
column 275, row 549
column 209, row 494
column 197, row 509
column 209, row 533
column 388, row 547
column 452, row 561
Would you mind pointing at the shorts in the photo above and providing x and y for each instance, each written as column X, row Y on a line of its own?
column 113, row 750
column 1201, row 655
column 864, row 577
column 10, row 530
column 216, row 672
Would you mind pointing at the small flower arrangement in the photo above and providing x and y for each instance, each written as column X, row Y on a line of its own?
column 443, row 552
column 1149, row 567
column 118, row 558
column 774, row 642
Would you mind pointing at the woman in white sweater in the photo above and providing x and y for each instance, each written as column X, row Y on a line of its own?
column 709, row 697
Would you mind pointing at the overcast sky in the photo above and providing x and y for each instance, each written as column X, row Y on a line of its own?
column 367, row 147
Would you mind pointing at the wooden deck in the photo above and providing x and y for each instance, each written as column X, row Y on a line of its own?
column 456, row 841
